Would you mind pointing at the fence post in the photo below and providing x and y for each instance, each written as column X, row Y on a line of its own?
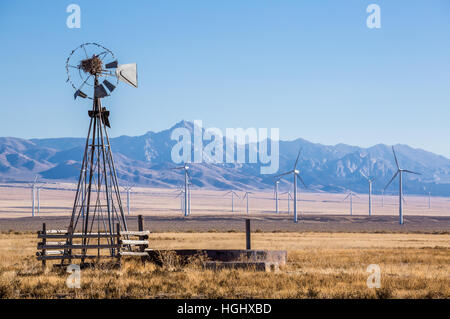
column 44, row 242
column 118, row 241
column 247, row 233
column 141, row 228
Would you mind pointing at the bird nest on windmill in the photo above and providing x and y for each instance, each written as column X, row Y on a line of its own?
column 93, row 65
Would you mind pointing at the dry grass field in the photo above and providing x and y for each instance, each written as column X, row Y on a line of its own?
column 328, row 250
column 320, row 265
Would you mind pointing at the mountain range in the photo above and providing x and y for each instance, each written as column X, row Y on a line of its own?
column 146, row 160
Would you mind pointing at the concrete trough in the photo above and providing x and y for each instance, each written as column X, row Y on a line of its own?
column 266, row 266
column 224, row 255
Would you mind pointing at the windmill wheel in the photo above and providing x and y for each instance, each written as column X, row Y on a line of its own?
column 86, row 66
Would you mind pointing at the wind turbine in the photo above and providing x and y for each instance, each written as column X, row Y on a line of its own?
column 370, row 179
column 233, row 193
column 289, row 199
column 382, row 198
column 350, row 195
column 247, row 196
column 296, row 174
column 429, row 200
column 128, row 190
column 187, row 208
column 35, row 191
column 276, row 194
column 399, row 172
column 182, row 199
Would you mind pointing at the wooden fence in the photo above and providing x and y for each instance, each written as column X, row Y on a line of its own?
column 60, row 245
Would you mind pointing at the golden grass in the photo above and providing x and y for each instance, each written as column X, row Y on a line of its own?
column 320, row 265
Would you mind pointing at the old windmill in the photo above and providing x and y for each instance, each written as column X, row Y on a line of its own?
column 94, row 73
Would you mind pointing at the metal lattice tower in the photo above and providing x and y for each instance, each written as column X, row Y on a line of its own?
column 97, row 206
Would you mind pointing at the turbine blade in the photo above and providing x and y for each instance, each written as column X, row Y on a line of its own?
column 365, row 176
column 301, row 180
column 408, row 171
column 287, row 173
column 298, row 155
column 395, row 157
column 348, row 195
column 393, row 177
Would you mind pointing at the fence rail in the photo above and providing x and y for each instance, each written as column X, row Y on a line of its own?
column 119, row 243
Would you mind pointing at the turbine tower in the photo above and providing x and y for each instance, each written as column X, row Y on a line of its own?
column 276, row 194
column 247, row 196
column 370, row 180
column 233, row 193
column 296, row 174
column 187, row 177
column 289, row 198
column 350, row 195
column 399, row 172
column 128, row 189
column 35, row 187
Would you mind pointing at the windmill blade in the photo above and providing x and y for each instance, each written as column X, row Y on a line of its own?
column 111, row 65
column 408, row 171
column 356, row 195
column 348, row 195
column 395, row 157
column 298, row 156
column 237, row 195
column 80, row 94
column 100, row 91
column 109, row 85
column 301, row 180
column 393, row 177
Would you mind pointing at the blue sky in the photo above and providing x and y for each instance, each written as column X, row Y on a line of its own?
column 311, row 68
